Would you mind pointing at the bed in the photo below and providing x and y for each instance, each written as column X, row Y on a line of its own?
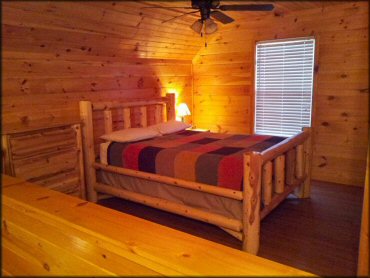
column 232, row 181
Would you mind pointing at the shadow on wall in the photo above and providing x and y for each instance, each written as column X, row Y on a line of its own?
column 47, row 70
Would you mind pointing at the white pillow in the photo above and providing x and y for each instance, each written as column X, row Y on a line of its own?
column 131, row 134
column 171, row 126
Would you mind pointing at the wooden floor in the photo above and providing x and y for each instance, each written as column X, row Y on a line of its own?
column 319, row 235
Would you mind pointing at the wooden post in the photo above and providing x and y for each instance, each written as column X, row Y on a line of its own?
column 279, row 164
column 158, row 114
column 108, row 124
column 300, row 161
column 267, row 182
column 290, row 169
column 164, row 114
column 171, row 107
column 251, row 201
column 88, row 149
column 304, row 190
column 143, row 117
column 77, row 129
column 126, row 118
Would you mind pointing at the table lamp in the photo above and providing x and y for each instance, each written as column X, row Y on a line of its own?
column 182, row 111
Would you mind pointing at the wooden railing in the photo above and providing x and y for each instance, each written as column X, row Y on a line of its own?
column 47, row 233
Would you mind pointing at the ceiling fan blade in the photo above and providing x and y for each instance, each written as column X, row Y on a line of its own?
column 164, row 7
column 220, row 16
column 247, row 7
column 181, row 15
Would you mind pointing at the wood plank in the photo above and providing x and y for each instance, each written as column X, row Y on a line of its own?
column 125, row 237
column 345, row 177
column 47, row 163
column 83, row 21
column 59, row 87
column 222, row 90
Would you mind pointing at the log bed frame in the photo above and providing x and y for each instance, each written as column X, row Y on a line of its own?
column 269, row 176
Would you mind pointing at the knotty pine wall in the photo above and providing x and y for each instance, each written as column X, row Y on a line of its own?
column 55, row 54
column 223, row 81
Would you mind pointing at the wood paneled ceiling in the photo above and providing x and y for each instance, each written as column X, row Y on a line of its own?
column 281, row 8
column 128, row 28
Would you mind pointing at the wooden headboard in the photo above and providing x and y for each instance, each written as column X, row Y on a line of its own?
column 109, row 116
column 164, row 110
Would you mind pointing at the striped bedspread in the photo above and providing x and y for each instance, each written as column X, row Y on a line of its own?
column 205, row 157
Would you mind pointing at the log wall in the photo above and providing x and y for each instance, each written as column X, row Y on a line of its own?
column 224, row 82
column 57, row 53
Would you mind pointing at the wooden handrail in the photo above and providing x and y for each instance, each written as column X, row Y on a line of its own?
column 93, row 240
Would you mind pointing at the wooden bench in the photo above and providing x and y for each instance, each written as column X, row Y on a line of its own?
column 45, row 232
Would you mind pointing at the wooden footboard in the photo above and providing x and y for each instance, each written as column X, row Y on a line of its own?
column 269, row 176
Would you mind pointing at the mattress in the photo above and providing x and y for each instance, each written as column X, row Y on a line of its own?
column 204, row 157
column 104, row 153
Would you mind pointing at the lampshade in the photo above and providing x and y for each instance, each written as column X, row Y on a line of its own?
column 197, row 26
column 209, row 26
column 183, row 110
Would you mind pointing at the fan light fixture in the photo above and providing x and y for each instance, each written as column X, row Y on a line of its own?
column 208, row 26
column 212, row 8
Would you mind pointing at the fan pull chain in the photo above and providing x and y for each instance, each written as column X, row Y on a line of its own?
column 205, row 37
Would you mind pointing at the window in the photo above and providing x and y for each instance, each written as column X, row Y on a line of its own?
column 283, row 86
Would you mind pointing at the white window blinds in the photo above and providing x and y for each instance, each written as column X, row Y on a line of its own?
column 284, row 81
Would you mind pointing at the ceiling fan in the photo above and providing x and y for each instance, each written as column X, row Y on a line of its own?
column 212, row 9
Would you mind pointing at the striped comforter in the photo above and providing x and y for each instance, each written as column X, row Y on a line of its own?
column 205, row 157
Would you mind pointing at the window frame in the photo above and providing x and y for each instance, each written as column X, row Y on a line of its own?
column 314, row 74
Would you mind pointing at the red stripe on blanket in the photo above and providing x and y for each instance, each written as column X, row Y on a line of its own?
column 130, row 156
column 230, row 172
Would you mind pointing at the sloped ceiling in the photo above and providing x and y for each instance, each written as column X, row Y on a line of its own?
column 132, row 28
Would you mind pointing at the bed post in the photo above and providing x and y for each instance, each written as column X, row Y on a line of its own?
column 88, row 149
column 251, row 201
column 171, row 106
column 303, row 191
